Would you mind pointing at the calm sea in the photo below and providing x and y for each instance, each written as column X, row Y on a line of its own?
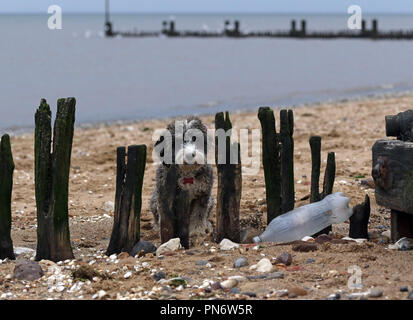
column 129, row 79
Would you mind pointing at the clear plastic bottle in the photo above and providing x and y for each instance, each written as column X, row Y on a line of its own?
column 307, row 220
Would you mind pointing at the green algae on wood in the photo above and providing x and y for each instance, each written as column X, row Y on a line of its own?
column 52, row 167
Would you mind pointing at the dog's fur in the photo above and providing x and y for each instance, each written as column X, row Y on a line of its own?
column 201, row 173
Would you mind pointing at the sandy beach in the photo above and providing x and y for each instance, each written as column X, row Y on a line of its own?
column 347, row 128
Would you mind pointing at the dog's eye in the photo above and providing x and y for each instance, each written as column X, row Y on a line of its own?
column 193, row 139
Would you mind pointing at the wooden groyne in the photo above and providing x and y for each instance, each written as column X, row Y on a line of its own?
column 233, row 30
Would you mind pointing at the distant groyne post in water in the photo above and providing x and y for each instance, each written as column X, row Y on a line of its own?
column 303, row 28
column 374, row 28
column 293, row 30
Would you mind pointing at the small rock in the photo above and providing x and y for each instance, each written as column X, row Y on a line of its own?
column 28, row 270
column 404, row 244
column 127, row 275
column 201, row 263
column 307, row 239
column 250, row 294
column 360, row 240
column 297, row 291
column 292, row 295
column 284, row 258
column 310, row 260
column 226, row 244
column 234, row 291
column 322, row 238
column 238, row 278
column 143, row 245
column 216, row 286
column 404, row 289
column 410, row 296
column 241, row 262
column 22, row 250
column 123, row 255
column 282, row 293
column 368, row 183
column 334, row 296
column 376, row 293
column 275, row 275
column 228, row 284
column 109, row 207
column 171, row 245
column 305, row 247
column 101, row 294
column 261, row 276
column 264, row 265
column 386, row 234
column 159, row 275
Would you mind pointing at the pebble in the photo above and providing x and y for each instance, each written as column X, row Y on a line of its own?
column 159, row 275
column 386, row 234
column 404, row 289
column 410, row 296
column 226, row 244
column 201, row 263
column 249, row 294
column 127, row 275
column 215, row 286
column 284, row 258
column 109, row 207
column 228, row 284
column 310, row 260
column 264, row 265
column 28, row 270
column 376, row 293
column 275, row 275
column 241, row 262
column 171, row 245
column 297, row 291
column 307, row 239
column 262, row 276
column 146, row 246
column 234, row 291
column 305, row 247
column 238, row 278
column 22, row 250
column 334, row 296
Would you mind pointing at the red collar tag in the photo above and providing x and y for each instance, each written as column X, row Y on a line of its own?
column 189, row 180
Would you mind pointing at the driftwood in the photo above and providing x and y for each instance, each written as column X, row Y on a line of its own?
column 229, row 185
column 359, row 220
column 52, row 166
column 400, row 126
column 393, row 178
column 271, row 162
column 6, row 186
column 329, row 176
column 128, row 199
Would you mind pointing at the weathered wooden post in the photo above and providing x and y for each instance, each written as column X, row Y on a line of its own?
column 287, row 160
column 315, row 145
column 393, row 173
column 52, row 166
column 363, row 27
column 329, row 175
column 359, row 221
column 6, row 186
column 303, row 28
column 293, row 30
column 271, row 162
column 128, row 199
column 229, row 181
column 236, row 28
column 375, row 28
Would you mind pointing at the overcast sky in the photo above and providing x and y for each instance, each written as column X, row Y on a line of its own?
column 175, row 6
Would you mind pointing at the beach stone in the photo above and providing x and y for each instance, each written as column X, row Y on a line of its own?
column 159, row 275
column 247, row 235
column 238, row 278
column 146, row 246
column 264, row 265
column 23, row 250
column 305, row 247
column 250, row 294
column 275, row 275
column 284, row 258
column 109, row 207
column 410, row 296
column 322, row 238
column 228, row 284
column 226, row 244
column 216, row 286
column 297, row 291
column 201, row 263
column 386, row 234
column 241, row 262
column 310, row 260
column 171, row 245
column 376, row 293
column 27, row 270
column 123, row 255
column 234, row 291
column 404, row 289
column 257, row 277
column 404, row 244
column 307, row 239
column 334, row 296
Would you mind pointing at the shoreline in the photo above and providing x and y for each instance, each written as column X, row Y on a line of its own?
column 18, row 131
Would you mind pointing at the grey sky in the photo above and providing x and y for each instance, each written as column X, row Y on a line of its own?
column 270, row 6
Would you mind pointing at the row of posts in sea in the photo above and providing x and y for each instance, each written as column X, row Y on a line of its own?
column 234, row 31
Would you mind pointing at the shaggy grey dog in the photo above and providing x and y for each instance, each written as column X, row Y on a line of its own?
column 183, row 147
